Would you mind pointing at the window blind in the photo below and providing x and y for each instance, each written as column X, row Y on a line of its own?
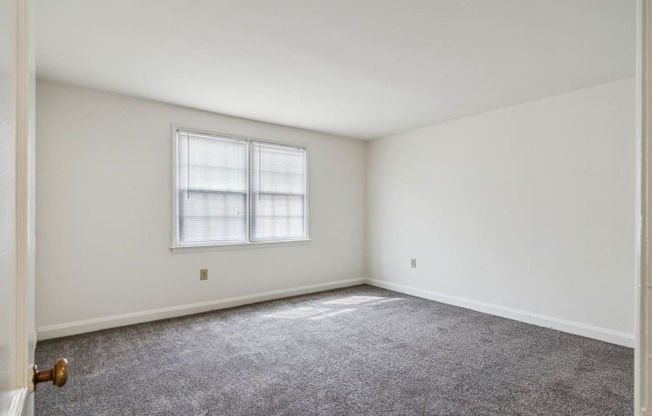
column 212, row 189
column 278, row 192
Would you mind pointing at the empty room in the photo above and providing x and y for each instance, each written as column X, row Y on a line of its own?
column 421, row 207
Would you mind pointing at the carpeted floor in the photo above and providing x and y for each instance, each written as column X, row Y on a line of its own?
column 355, row 351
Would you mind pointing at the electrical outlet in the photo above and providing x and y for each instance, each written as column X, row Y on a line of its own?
column 413, row 263
column 203, row 274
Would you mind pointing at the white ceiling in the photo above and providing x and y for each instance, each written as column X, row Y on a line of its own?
column 359, row 68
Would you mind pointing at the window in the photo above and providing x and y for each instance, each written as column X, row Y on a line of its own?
column 235, row 191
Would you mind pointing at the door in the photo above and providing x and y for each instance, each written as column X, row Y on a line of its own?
column 17, row 336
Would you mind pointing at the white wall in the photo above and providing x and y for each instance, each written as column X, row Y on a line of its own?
column 103, row 213
column 527, row 211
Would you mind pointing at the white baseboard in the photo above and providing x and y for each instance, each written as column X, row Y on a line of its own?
column 89, row 325
column 576, row 328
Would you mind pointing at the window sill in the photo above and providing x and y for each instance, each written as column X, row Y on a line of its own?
column 243, row 246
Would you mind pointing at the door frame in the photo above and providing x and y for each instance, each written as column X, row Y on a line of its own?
column 642, row 367
column 25, row 209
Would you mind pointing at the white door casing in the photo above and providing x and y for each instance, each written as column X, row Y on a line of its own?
column 642, row 367
column 9, row 391
column 17, row 81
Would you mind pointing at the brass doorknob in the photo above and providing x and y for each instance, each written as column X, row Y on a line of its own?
column 58, row 374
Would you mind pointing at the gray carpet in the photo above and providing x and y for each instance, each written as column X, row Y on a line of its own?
column 355, row 351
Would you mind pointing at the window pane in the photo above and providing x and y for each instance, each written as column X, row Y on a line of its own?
column 212, row 189
column 278, row 192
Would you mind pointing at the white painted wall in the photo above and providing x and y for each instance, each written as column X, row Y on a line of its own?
column 104, row 222
column 527, row 211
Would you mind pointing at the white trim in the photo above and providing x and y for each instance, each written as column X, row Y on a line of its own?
column 173, row 186
column 577, row 328
column 176, row 247
column 224, row 247
column 641, row 361
column 249, row 175
column 79, row 327
column 17, row 402
column 25, row 219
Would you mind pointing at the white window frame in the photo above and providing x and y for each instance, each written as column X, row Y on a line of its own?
column 177, row 248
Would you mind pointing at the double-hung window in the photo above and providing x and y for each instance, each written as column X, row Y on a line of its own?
column 232, row 191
